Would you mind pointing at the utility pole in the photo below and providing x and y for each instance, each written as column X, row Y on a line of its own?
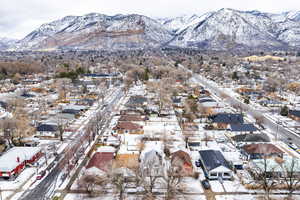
column 46, row 159
column 0, row 194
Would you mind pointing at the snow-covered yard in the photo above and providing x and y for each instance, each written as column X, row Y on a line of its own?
column 21, row 179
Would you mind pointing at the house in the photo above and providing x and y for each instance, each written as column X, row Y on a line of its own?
column 128, row 127
column 209, row 102
column 101, row 160
column 270, row 103
column 14, row 160
column 48, row 129
column 294, row 114
column 190, row 128
column 258, row 151
column 132, row 118
column 152, row 163
column 112, row 141
column 222, row 120
column 278, row 166
column 75, row 107
column 71, row 111
column 127, row 160
column 3, row 104
column 136, row 101
column 206, row 99
column 182, row 161
column 131, row 112
column 243, row 128
column 251, row 138
column 194, row 143
column 177, row 102
column 214, row 165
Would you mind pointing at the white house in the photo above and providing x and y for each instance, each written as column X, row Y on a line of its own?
column 214, row 165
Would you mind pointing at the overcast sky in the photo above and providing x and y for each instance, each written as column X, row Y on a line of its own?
column 20, row 17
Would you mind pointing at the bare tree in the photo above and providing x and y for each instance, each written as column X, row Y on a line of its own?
column 119, row 181
column 259, row 120
column 265, row 176
column 146, row 178
column 97, row 122
column 291, row 177
column 172, row 179
column 94, row 184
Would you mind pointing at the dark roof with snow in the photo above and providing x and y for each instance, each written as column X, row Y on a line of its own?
column 3, row 104
column 47, row 128
column 261, row 149
column 243, row 127
column 71, row 111
column 176, row 100
column 203, row 100
column 295, row 113
column 251, row 138
column 136, row 100
column 212, row 159
column 227, row 118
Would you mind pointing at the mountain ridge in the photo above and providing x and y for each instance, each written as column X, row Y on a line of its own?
column 224, row 29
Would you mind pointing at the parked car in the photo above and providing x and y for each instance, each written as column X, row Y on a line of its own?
column 41, row 175
column 220, row 140
column 293, row 146
column 205, row 183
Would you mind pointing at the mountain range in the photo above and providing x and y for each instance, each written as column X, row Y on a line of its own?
column 224, row 29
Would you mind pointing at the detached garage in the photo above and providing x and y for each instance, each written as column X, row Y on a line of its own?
column 14, row 160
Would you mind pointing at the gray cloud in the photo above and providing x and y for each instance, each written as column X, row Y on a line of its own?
column 20, row 17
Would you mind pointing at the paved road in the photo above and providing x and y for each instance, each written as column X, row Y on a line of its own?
column 277, row 130
column 45, row 189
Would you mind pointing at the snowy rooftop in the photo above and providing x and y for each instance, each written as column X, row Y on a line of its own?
column 9, row 161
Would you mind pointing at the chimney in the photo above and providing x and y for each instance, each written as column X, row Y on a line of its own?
column 18, row 159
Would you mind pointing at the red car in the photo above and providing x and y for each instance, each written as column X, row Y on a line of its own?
column 41, row 175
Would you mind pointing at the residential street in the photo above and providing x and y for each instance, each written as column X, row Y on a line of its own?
column 277, row 130
column 46, row 188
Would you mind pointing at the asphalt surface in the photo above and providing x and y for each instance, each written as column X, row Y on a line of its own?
column 280, row 132
column 46, row 188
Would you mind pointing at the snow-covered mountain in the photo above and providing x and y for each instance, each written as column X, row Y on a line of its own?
column 97, row 31
column 6, row 42
column 231, row 29
column 220, row 30
column 178, row 24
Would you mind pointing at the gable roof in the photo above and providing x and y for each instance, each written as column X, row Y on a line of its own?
column 71, row 111
column 131, row 118
column 176, row 100
column 9, row 160
column 213, row 159
column 47, row 128
column 3, row 104
column 151, row 156
column 136, row 100
column 203, row 100
column 101, row 160
column 261, row 148
column 243, row 127
column 227, row 118
column 183, row 156
column 251, row 138
column 295, row 113
column 127, row 126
